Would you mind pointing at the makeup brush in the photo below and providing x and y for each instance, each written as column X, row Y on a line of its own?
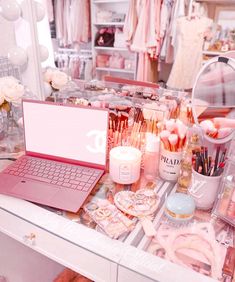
column 173, row 140
column 164, row 138
column 159, row 126
column 219, row 170
column 208, row 127
column 222, row 158
column 182, row 130
column 224, row 122
column 217, row 157
column 170, row 125
column 178, row 124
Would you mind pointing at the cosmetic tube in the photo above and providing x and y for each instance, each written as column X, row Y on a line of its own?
column 151, row 157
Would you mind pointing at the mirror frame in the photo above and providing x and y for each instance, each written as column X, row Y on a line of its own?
column 223, row 59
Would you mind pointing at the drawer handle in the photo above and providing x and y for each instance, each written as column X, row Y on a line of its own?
column 30, row 239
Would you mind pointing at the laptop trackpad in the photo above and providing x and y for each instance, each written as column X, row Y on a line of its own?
column 28, row 189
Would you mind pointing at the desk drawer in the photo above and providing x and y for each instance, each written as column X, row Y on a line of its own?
column 58, row 249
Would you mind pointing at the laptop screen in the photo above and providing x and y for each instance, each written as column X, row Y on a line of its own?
column 66, row 131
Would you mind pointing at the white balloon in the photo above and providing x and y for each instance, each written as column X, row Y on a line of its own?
column 17, row 56
column 10, row 10
column 40, row 11
column 44, row 53
column 47, row 89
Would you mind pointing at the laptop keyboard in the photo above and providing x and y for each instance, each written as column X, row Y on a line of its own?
column 60, row 174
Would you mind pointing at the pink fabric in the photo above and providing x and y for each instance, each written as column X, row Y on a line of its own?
column 50, row 13
column 73, row 25
column 130, row 21
column 147, row 68
column 140, row 38
column 59, row 7
column 86, row 30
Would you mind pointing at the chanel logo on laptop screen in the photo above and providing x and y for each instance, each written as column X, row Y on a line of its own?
column 66, row 131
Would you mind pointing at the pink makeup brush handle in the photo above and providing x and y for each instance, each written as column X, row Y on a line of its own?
column 224, row 122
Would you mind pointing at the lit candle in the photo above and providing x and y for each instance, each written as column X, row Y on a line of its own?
column 124, row 164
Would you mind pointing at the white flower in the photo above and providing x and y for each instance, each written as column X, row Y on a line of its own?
column 2, row 98
column 8, row 80
column 59, row 79
column 13, row 93
column 47, row 76
column 10, row 89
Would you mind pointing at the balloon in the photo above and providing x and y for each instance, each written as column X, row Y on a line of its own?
column 40, row 11
column 44, row 53
column 10, row 10
column 17, row 56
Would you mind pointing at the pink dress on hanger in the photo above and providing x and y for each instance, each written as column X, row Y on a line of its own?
column 188, row 59
column 59, row 7
column 139, row 43
column 130, row 21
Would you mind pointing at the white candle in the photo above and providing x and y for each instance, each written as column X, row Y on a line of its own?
column 124, row 164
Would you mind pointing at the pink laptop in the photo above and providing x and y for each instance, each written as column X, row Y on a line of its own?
column 65, row 155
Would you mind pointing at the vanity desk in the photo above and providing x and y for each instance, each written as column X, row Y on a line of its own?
column 62, row 238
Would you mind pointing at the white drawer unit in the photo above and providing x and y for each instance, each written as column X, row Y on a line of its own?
column 87, row 251
column 19, row 263
column 70, row 244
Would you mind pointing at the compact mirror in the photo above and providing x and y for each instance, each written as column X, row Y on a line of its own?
column 213, row 98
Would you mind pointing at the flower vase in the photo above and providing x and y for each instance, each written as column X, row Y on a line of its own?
column 13, row 135
column 2, row 127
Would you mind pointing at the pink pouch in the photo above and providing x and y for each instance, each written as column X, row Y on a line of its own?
column 116, row 61
column 102, row 60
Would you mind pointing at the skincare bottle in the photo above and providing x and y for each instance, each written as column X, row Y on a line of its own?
column 151, row 157
column 184, row 179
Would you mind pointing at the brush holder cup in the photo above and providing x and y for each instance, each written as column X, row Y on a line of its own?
column 204, row 190
column 169, row 165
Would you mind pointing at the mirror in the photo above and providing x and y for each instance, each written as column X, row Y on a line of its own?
column 213, row 98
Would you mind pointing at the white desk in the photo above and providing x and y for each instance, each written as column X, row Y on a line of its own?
column 85, row 250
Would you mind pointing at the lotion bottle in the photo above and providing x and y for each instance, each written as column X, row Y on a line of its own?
column 151, row 157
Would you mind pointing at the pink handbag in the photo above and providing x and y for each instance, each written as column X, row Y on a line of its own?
column 102, row 60
column 116, row 61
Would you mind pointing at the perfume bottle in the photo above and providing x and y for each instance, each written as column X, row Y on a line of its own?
column 151, row 157
column 192, row 144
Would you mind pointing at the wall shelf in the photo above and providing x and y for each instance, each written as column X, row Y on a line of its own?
column 116, row 70
column 110, row 24
column 212, row 53
column 111, row 49
column 118, row 7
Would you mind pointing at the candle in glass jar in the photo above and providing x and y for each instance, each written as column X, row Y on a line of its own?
column 124, row 164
